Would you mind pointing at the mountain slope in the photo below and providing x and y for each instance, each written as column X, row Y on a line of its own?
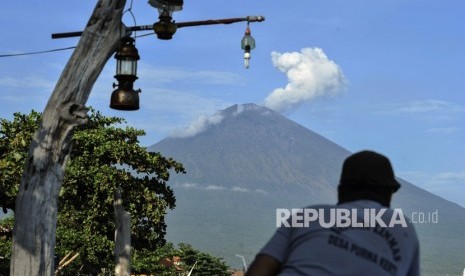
column 247, row 134
column 252, row 160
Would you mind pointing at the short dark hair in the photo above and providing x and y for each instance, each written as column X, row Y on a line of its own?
column 368, row 169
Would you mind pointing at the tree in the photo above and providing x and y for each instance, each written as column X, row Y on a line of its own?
column 36, row 204
column 103, row 157
column 205, row 264
column 6, row 225
column 15, row 137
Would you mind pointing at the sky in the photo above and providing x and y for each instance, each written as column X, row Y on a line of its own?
column 384, row 75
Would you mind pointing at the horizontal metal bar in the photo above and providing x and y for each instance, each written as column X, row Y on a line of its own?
column 64, row 35
column 179, row 25
column 221, row 21
column 141, row 28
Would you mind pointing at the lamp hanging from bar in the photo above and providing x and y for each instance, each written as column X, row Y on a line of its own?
column 125, row 97
column 247, row 44
column 165, row 27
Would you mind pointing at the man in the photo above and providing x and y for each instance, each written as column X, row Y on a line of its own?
column 372, row 240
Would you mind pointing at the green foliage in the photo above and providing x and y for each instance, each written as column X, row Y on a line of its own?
column 205, row 264
column 15, row 137
column 145, row 261
column 103, row 157
column 6, row 225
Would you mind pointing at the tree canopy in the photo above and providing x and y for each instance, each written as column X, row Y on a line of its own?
column 104, row 156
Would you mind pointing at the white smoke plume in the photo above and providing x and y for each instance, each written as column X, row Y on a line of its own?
column 310, row 75
column 198, row 126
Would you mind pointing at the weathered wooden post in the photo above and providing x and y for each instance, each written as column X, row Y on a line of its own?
column 36, row 204
column 122, row 237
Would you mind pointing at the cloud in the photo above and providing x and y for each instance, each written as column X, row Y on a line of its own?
column 421, row 107
column 442, row 117
column 214, row 188
column 310, row 75
column 189, row 185
column 239, row 189
column 199, row 125
column 427, row 106
column 443, row 130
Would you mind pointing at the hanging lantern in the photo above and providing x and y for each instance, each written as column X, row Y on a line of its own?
column 125, row 97
column 247, row 44
column 165, row 27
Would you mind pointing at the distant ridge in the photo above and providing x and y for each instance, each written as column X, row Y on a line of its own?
column 250, row 160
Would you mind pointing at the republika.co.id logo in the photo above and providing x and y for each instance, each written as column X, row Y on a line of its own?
column 422, row 217
column 342, row 217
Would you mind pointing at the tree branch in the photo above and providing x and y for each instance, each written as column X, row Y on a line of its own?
column 36, row 203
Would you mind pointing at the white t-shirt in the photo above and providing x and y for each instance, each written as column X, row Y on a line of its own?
column 364, row 248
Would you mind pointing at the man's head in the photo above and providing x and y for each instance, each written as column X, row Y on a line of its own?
column 367, row 175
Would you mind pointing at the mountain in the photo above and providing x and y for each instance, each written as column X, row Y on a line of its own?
column 250, row 160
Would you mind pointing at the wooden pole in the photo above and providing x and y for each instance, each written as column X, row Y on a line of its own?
column 36, row 204
column 122, row 237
